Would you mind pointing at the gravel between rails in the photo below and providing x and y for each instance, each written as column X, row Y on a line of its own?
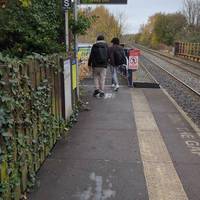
column 186, row 99
column 190, row 79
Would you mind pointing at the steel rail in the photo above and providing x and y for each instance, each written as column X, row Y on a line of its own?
column 173, row 76
column 166, row 58
column 178, row 59
column 152, row 77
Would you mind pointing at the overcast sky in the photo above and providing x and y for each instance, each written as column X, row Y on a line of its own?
column 137, row 12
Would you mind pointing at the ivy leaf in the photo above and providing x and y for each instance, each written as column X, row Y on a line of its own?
column 10, row 122
column 5, row 99
column 20, row 141
column 13, row 81
column 6, row 134
column 15, row 69
column 25, row 3
column 34, row 141
column 2, row 82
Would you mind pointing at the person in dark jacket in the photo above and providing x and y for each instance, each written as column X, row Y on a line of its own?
column 98, row 60
column 114, row 50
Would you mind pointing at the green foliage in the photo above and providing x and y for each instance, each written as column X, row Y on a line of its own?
column 35, row 27
column 189, row 36
column 167, row 27
column 28, row 126
column 83, row 23
column 25, row 3
column 154, row 41
column 105, row 23
column 29, row 26
column 162, row 29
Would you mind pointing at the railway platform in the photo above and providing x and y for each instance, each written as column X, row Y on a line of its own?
column 135, row 144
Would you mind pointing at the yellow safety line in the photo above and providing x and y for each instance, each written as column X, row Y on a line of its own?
column 162, row 180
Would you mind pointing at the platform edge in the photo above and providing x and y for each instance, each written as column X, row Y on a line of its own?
column 182, row 112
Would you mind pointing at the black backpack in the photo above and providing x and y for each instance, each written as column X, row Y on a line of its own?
column 119, row 56
column 100, row 54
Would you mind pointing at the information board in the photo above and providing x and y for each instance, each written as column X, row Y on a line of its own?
column 67, row 87
column 74, row 83
column 103, row 1
column 83, row 53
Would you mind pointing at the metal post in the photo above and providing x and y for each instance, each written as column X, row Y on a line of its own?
column 66, row 31
column 76, row 46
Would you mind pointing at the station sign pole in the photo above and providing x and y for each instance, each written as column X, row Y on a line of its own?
column 76, row 48
column 66, row 6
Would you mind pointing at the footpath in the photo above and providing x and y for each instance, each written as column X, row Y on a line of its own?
column 129, row 146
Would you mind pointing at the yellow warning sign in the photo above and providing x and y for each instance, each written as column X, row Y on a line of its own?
column 74, row 82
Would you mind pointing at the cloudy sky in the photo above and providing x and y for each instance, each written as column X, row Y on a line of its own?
column 136, row 12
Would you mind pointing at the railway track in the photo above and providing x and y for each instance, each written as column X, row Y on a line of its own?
column 186, row 96
column 191, row 68
column 176, row 78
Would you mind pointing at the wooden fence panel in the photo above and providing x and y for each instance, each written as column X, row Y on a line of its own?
column 188, row 50
column 31, row 135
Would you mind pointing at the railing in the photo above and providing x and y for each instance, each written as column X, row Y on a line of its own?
column 31, row 121
column 188, row 50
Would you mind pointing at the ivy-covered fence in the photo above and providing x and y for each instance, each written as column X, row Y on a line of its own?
column 30, row 121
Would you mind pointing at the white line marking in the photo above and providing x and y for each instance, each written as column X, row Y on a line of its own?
column 97, row 193
column 98, row 189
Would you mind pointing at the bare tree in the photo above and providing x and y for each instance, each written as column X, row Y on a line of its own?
column 122, row 25
column 191, row 10
column 198, row 13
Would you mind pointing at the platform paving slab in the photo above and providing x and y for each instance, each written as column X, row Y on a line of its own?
column 132, row 145
column 100, row 159
column 181, row 140
column 161, row 177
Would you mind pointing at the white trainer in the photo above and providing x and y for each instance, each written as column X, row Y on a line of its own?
column 116, row 88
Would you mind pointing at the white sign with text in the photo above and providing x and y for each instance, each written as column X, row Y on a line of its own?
column 68, row 88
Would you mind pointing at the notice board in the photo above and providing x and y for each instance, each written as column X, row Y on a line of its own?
column 67, row 88
column 74, row 81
